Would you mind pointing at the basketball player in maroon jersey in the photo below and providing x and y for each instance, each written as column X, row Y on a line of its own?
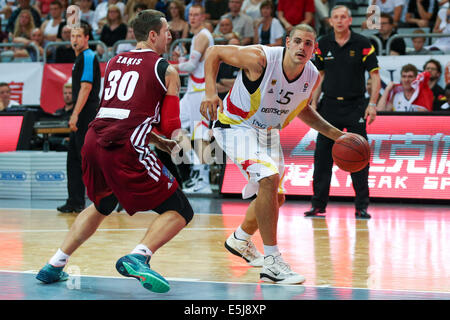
column 141, row 94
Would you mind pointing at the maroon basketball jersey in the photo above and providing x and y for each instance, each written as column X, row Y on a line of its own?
column 133, row 94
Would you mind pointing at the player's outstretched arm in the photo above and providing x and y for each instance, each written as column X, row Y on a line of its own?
column 249, row 58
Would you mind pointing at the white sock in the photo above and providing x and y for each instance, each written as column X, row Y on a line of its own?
column 143, row 250
column 270, row 250
column 59, row 259
column 241, row 234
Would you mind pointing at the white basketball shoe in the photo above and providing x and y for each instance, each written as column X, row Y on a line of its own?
column 244, row 249
column 275, row 270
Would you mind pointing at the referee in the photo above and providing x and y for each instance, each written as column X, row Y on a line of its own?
column 342, row 58
column 85, row 92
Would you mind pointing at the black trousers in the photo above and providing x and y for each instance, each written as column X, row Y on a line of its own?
column 343, row 115
column 75, row 186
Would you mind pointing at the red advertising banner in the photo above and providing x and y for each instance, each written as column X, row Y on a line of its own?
column 11, row 127
column 55, row 75
column 409, row 159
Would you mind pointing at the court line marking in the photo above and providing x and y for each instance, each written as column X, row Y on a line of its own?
column 244, row 283
column 111, row 230
column 142, row 229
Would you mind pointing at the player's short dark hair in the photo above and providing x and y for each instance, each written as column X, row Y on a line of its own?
column 146, row 21
column 4, row 84
column 56, row 2
column 436, row 63
column 409, row 67
column 387, row 16
column 86, row 29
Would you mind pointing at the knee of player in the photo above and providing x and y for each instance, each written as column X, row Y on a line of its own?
column 187, row 213
column 107, row 205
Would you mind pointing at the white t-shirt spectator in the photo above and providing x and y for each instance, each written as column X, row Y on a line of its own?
column 251, row 9
column 276, row 31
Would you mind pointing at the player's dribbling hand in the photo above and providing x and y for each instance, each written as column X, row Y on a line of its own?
column 167, row 145
column 208, row 108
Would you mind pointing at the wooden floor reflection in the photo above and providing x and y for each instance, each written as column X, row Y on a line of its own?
column 403, row 247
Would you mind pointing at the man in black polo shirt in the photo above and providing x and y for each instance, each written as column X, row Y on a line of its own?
column 85, row 91
column 387, row 31
column 342, row 58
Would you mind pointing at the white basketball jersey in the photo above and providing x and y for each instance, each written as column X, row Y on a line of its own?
column 276, row 102
column 401, row 104
column 196, row 80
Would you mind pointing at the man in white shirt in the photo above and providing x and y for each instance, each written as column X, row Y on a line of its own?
column 5, row 94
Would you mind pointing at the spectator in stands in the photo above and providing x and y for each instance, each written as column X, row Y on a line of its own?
column 37, row 37
column 190, row 4
column 252, row 8
column 5, row 95
column 3, row 34
column 114, row 30
column 398, row 46
column 322, row 16
column 134, row 6
column 293, row 12
column 268, row 29
column 214, row 9
column 225, row 33
column 404, row 97
column 65, row 54
column 445, row 106
column 161, row 5
column 86, row 14
column 23, row 5
column 6, row 9
column 421, row 12
column 65, row 112
column 394, row 8
column 22, row 33
column 442, row 25
column 124, row 47
column 50, row 27
column 101, row 11
column 242, row 23
column 44, row 7
column 179, row 28
column 434, row 67
column 419, row 44
column 60, row 142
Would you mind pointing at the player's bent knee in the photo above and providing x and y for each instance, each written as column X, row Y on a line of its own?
column 179, row 203
column 187, row 213
column 107, row 205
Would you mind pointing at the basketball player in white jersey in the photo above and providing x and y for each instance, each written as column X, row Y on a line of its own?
column 190, row 116
column 274, row 86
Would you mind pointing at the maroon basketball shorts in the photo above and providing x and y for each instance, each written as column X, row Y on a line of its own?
column 134, row 174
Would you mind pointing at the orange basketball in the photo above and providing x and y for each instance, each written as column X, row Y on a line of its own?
column 351, row 152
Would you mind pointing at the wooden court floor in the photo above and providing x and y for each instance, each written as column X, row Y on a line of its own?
column 404, row 247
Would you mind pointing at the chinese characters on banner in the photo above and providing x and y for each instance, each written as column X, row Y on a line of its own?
column 409, row 159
